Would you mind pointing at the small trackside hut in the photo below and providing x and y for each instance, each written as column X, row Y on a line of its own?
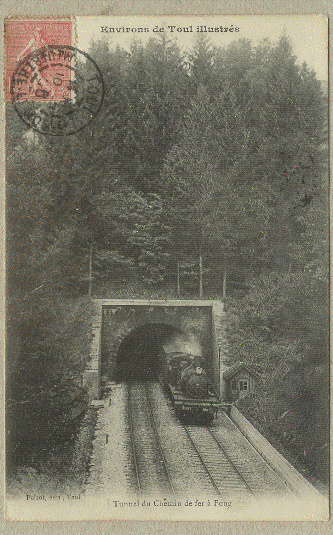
column 241, row 380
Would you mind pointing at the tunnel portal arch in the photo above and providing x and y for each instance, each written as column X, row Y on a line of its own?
column 116, row 322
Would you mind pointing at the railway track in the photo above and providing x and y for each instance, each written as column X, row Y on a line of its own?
column 140, row 439
column 149, row 462
column 219, row 468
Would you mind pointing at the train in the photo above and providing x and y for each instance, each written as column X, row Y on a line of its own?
column 189, row 385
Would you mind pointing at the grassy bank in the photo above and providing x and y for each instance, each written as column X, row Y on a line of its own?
column 47, row 408
column 292, row 415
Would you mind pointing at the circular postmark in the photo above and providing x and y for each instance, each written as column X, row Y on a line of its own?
column 57, row 90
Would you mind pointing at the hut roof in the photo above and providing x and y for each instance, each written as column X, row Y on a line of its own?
column 237, row 367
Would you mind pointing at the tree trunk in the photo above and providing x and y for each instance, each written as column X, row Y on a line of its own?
column 200, row 277
column 178, row 281
column 90, row 272
column 224, row 291
column 91, row 239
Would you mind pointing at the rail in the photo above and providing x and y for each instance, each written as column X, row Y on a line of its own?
column 135, row 461
column 223, row 473
column 203, row 462
column 147, row 433
column 158, row 442
column 228, row 457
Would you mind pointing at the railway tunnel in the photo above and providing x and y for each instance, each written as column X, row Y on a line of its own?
column 138, row 357
column 127, row 336
column 129, row 333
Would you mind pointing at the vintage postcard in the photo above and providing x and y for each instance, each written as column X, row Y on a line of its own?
column 167, row 239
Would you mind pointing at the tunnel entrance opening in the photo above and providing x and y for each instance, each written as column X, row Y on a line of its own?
column 138, row 358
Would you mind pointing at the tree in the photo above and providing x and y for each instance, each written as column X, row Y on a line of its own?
column 201, row 61
column 157, row 83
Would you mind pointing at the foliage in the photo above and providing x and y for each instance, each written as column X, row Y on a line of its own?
column 216, row 158
column 290, row 410
column 47, row 351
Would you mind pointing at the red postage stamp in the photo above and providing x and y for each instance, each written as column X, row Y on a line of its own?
column 55, row 88
column 36, row 69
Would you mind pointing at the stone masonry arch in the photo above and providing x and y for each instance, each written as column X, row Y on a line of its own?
column 116, row 319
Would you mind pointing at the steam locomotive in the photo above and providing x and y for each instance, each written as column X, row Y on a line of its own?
column 189, row 385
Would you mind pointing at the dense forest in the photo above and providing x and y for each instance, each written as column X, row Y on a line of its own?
column 203, row 176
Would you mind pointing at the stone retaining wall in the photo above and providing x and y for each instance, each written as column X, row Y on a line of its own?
column 91, row 376
column 293, row 479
